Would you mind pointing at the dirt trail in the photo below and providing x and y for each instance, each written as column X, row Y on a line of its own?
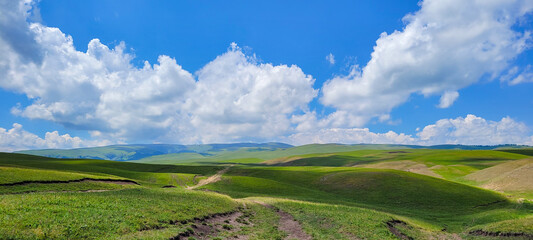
column 212, row 226
column 215, row 178
column 115, row 181
column 288, row 224
column 391, row 225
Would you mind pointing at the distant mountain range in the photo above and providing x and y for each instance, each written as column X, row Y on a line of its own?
column 176, row 152
column 140, row 151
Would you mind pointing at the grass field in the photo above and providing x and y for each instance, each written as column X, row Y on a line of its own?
column 427, row 199
column 259, row 155
column 145, row 173
column 102, row 214
column 348, row 194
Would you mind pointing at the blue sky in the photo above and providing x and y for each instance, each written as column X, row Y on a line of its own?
column 402, row 66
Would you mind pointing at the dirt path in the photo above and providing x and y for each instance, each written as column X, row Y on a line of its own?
column 211, row 179
column 288, row 224
column 391, row 225
column 214, row 225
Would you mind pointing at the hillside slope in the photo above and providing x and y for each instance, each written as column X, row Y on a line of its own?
column 44, row 197
column 251, row 152
column 512, row 176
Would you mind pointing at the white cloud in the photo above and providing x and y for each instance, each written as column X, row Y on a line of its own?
column 14, row 31
column 471, row 130
column 475, row 130
column 99, row 89
column 448, row 98
column 526, row 76
column 349, row 136
column 233, row 98
column 445, row 46
column 330, row 58
column 17, row 138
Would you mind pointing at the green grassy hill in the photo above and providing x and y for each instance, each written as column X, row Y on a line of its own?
column 215, row 153
column 388, row 190
column 524, row 151
column 511, row 177
column 448, row 164
column 144, row 173
column 260, row 155
column 364, row 194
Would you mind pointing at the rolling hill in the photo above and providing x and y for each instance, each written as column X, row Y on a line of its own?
column 249, row 152
column 513, row 176
column 325, row 191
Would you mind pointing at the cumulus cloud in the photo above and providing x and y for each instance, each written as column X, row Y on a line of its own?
column 237, row 96
column 445, row 46
column 14, row 31
column 17, row 138
column 233, row 98
column 98, row 89
column 473, row 130
column 350, row 136
column 330, row 58
column 470, row 130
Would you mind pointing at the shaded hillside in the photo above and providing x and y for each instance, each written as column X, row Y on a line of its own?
column 255, row 156
column 523, row 151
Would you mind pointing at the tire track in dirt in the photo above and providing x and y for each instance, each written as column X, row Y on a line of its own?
column 391, row 225
column 211, row 226
column 288, row 224
column 215, row 178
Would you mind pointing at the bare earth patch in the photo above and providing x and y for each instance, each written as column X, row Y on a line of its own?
column 214, row 225
column 501, row 234
column 288, row 224
column 215, row 178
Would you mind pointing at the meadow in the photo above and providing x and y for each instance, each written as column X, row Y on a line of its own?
column 321, row 191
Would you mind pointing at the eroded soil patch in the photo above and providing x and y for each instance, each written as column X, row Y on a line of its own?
column 392, row 226
column 215, row 178
column 501, row 234
column 114, row 181
column 288, row 224
column 214, row 225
